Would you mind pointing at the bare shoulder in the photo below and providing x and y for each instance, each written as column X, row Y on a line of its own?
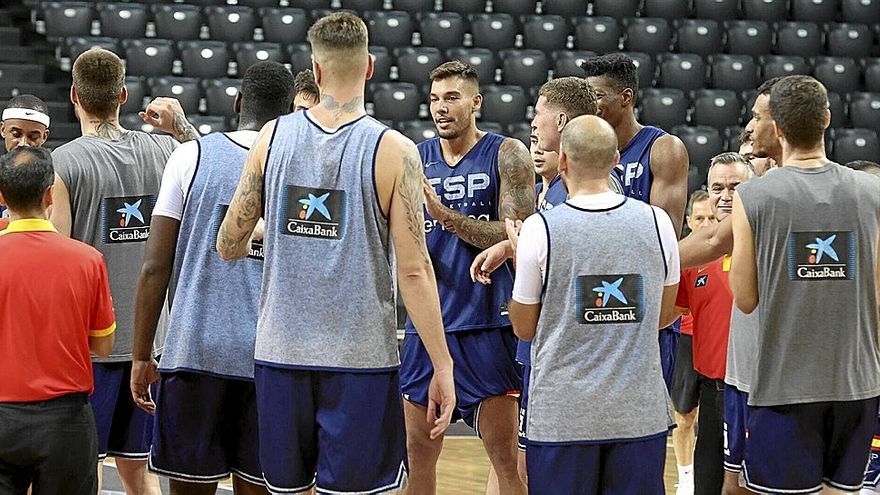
column 511, row 152
column 668, row 151
column 395, row 151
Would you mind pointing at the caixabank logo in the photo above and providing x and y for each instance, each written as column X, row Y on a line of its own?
column 603, row 299
column 311, row 212
column 821, row 255
column 255, row 250
column 127, row 218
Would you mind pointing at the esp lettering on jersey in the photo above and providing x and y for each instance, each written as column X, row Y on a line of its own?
column 127, row 218
column 633, row 174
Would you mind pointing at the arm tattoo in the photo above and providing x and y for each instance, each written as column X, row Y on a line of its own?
column 479, row 233
column 183, row 130
column 517, row 181
column 107, row 129
column 245, row 210
column 410, row 190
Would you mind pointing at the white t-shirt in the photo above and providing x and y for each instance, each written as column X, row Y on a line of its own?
column 179, row 172
column 531, row 251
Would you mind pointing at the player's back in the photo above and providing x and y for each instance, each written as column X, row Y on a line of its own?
column 633, row 172
column 328, row 291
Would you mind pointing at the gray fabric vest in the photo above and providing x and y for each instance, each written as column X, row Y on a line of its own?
column 596, row 374
column 328, row 294
column 214, row 309
column 113, row 187
column 741, row 349
column 815, row 242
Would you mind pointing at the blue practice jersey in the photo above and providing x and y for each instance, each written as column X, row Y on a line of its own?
column 633, row 173
column 471, row 187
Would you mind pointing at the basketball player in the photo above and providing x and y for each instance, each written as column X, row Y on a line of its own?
column 759, row 165
column 305, row 91
column 24, row 122
column 474, row 181
column 811, row 260
column 685, row 390
column 106, row 184
column 339, row 186
column 208, row 356
column 593, row 320
column 653, row 164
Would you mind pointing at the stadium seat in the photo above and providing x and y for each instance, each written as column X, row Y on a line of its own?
column 803, row 39
column 813, row 10
column 717, row 10
column 864, row 11
column 702, row 144
column 489, row 126
column 247, row 54
column 381, row 65
column 504, row 104
column 684, row 71
column 872, row 75
column 716, row 108
column 481, row 59
column 493, row 31
column 521, row 131
column 204, row 59
column 442, row 29
column 396, row 101
column 749, row 37
column 136, row 94
column 285, row 25
column 838, row 110
column 864, row 110
column 258, row 4
column 700, row 36
column 597, row 34
column 22, row 73
column 66, row 131
column 185, row 89
column 565, row 8
column 695, row 181
column 313, row 4
column 731, row 137
column 736, row 72
column 765, row 10
column 206, row 124
column 123, row 20
column 231, row 23
column 361, row 6
column 68, row 19
column 618, row 9
column 300, row 56
column 177, row 21
column 390, row 28
column 545, row 32
column 855, row 144
column 514, row 7
column 664, row 108
column 418, row 130
column 568, row 63
column 838, row 74
column 465, row 6
column 220, row 96
column 414, row 64
column 413, row 6
column 780, row 65
column 526, row 68
column 647, row 35
column 646, row 67
column 79, row 44
column 850, row 40
column 667, row 9
column 148, row 57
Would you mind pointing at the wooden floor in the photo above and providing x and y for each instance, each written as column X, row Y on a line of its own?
column 463, row 468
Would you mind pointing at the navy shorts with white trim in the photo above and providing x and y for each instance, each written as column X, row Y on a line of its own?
column 523, row 408
column 736, row 417
column 872, row 474
column 668, row 339
column 124, row 430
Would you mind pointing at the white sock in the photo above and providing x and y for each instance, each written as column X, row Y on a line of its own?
column 685, row 471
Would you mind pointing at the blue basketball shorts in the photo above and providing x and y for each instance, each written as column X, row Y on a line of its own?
column 124, row 430
column 736, row 417
column 668, row 345
column 872, row 473
column 485, row 366
column 523, row 407
column 205, row 428
column 340, row 432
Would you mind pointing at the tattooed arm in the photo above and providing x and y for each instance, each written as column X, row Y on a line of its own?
column 167, row 115
column 399, row 187
column 517, row 193
column 246, row 207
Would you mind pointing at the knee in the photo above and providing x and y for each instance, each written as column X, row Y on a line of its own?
column 421, row 447
column 503, row 454
column 686, row 421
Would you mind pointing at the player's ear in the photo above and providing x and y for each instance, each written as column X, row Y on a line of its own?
column 74, row 98
column 827, row 118
column 47, row 197
column 123, row 95
column 236, row 104
column 626, row 97
column 2, row 130
column 561, row 121
column 45, row 136
column 371, row 66
column 316, row 68
column 477, row 102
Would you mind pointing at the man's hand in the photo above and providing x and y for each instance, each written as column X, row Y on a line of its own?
column 432, row 202
column 167, row 115
column 441, row 393
column 512, row 228
column 259, row 231
column 144, row 374
column 489, row 260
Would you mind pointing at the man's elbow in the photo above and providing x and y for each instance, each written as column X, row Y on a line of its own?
column 523, row 332
column 228, row 253
column 102, row 346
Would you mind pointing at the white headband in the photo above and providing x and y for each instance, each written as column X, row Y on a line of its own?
column 26, row 114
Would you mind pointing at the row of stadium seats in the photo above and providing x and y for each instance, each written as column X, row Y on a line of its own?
column 445, row 30
column 770, row 10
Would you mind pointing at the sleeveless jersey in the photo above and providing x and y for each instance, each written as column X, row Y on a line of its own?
column 471, row 187
column 328, row 294
column 634, row 170
column 214, row 308
column 596, row 339
column 113, row 186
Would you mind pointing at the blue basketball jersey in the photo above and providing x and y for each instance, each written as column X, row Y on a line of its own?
column 471, row 187
column 633, row 173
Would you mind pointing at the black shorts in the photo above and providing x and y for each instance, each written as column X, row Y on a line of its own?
column 685, row 391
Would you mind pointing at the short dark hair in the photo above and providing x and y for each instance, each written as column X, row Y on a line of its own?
column 615, row 66
column 696, row 196
column 304, row 82
column 98, row 77
column 767, row 86
column 29, row 102
column 266, row 91
column 341, row 31
column 572, row 95
column 455, row 68
column 862, row 164
column 799, row 105
column 25, row 174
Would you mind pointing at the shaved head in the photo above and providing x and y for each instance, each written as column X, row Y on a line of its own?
column 589, row 144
